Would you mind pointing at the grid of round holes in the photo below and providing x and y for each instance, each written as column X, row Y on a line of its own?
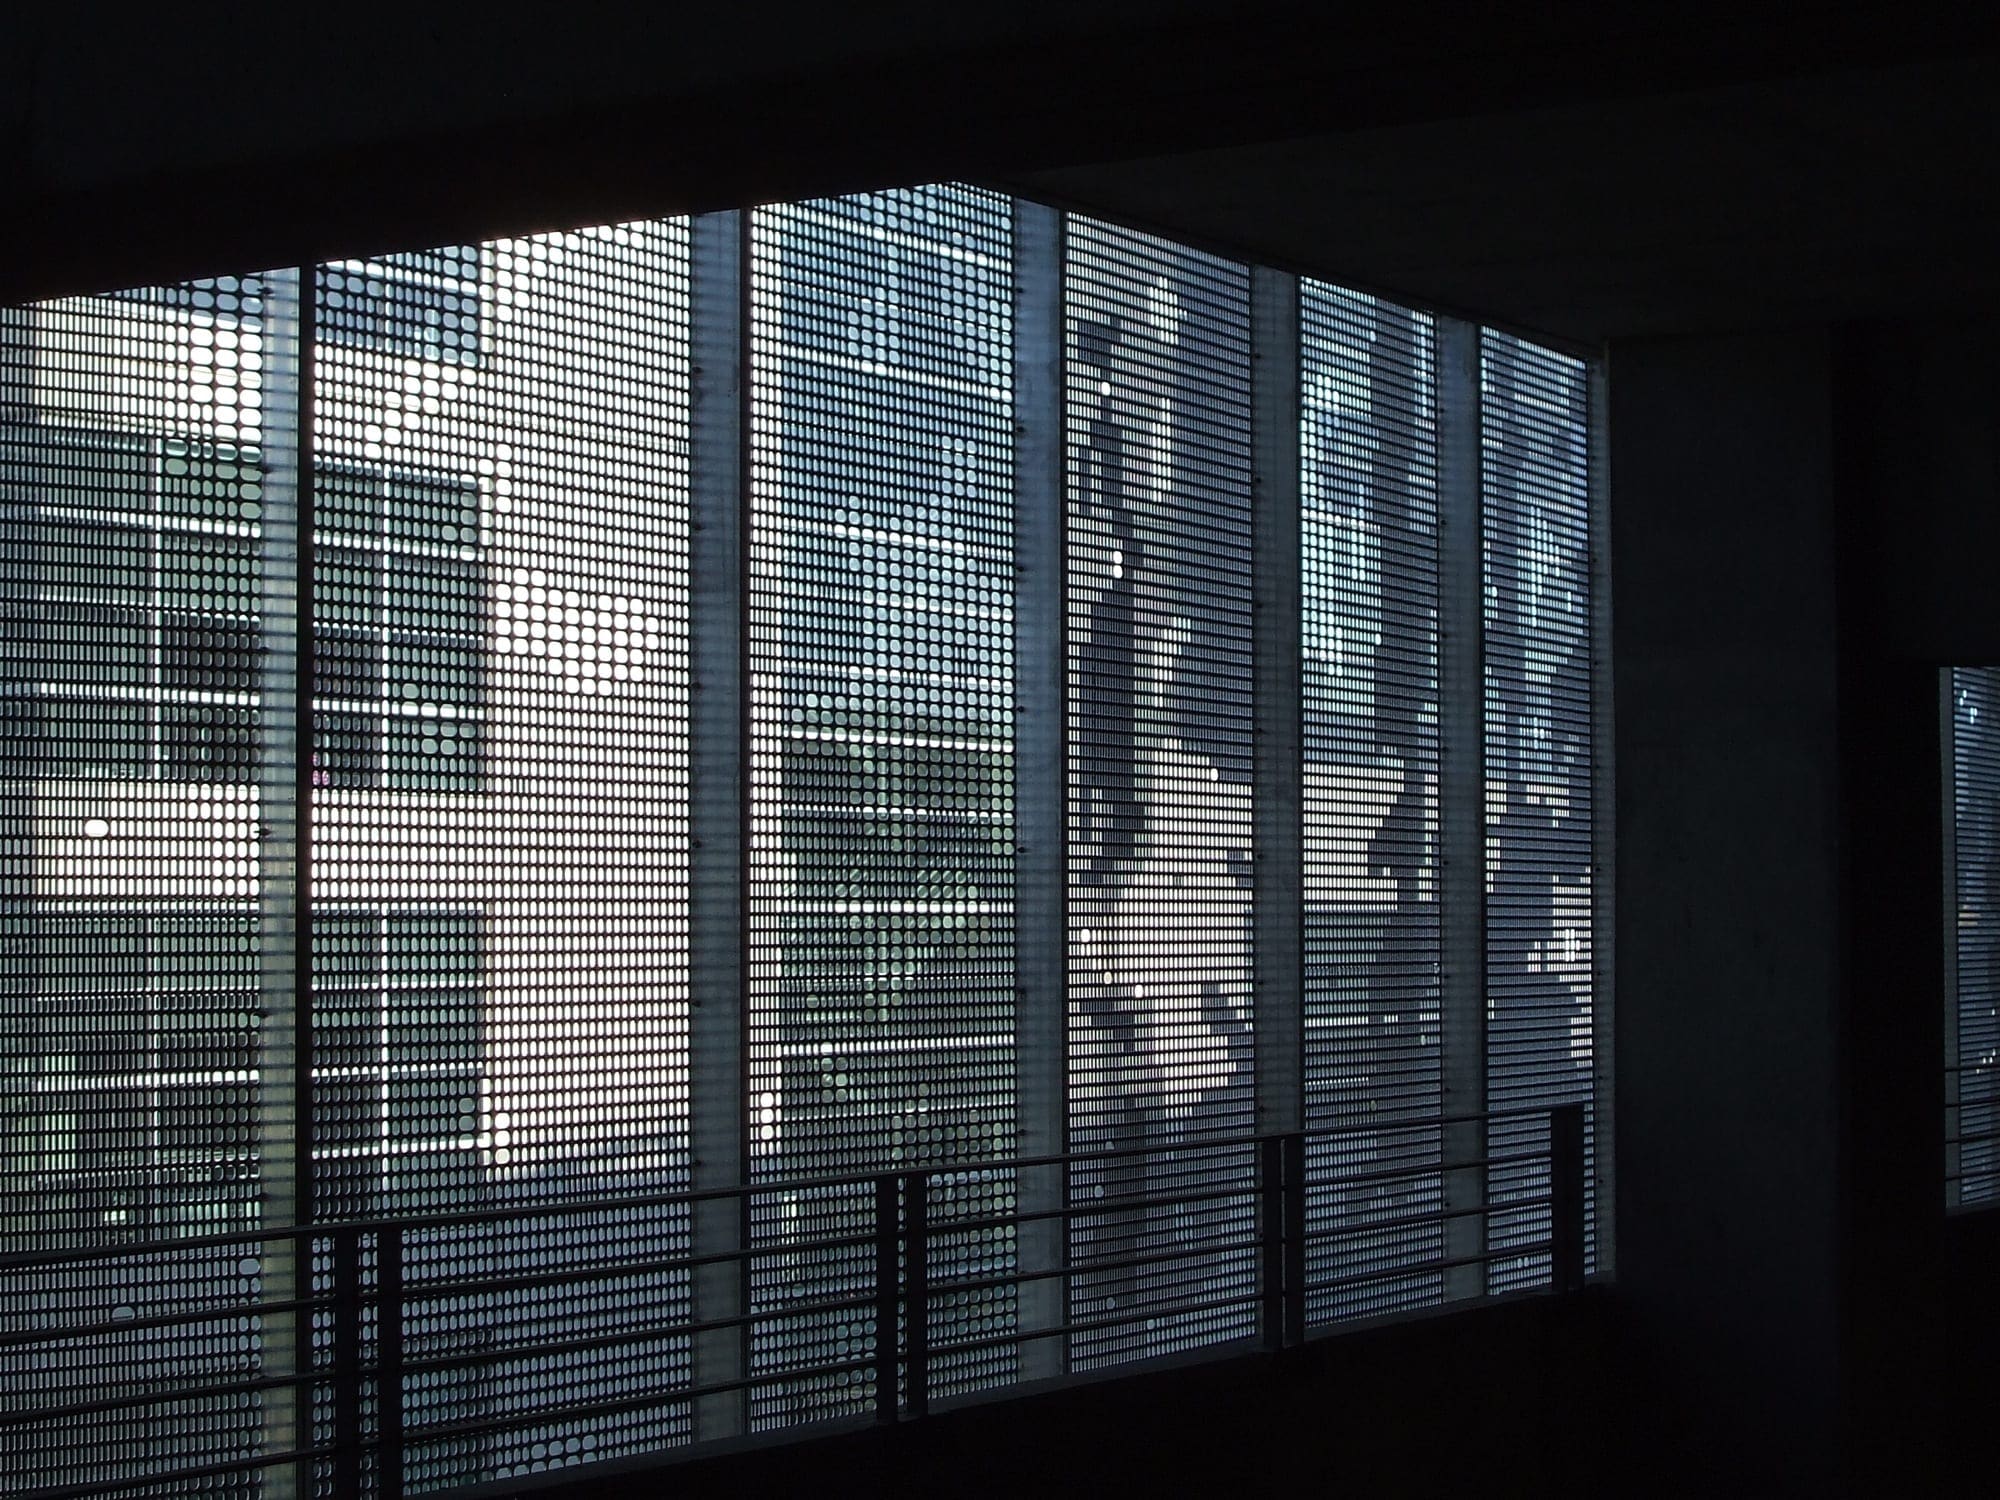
column 516, row 1373
column 132, row 471
column 1160, row 739
column 881, row 976
column 1975, row 790
column 489, row 523
column 1535, row 504
column 1369, row 583
column 131, row 489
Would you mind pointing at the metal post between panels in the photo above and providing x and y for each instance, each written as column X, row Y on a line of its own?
column 1295, row 1239
column 1461, row 805
column 887, row 1274
column 1271, row 1239
column 390, row 1456
column 347, row 1362
column 284, row 849
column 917, row 1288
column 1569, row 1191
column 1278, row 766
column 1041, row 784
column 718, row 809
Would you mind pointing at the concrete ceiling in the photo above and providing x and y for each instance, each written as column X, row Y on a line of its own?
column 1857, row 193
column 1577, row 171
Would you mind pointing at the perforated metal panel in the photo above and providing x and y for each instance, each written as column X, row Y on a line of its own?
column 1536, row 503
column 499, row 820
column 1160, row 738
column 1369, row 534
column 881, row 863
column 138, row 439
column 1973, row 1023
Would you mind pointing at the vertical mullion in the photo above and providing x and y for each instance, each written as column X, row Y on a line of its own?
column 1277, row 773
column 1461, row 802
column 1603, row 833
column 1278, row 768
column 1041, row 785
column 284, row 928
column 718, row 787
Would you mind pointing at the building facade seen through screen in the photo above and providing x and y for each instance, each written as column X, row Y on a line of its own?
column 346, row 702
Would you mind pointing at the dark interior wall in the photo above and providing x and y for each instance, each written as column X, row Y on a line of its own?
column 1728, row 776
column 1924, row 413
column 1917, row 503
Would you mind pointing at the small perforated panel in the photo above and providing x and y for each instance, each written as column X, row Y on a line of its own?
column 1368, row 532
column 1975, row 812
column 499, row 819
column 1159, row 785
column 139, row 436
column 1536, row 503
column 881, row 863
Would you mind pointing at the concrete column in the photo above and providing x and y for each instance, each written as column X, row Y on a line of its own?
column 1725, row 637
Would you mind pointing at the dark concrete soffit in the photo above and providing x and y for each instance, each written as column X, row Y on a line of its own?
column 1266, row 73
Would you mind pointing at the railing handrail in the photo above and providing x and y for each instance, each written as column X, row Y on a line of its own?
column 499, row 1214
column 892, row 1296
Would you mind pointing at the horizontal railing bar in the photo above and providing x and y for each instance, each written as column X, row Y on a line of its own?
column 1184, row 1250
column 844, row 1303
column 237, row 1239
column 173, row 1476
column 1099, row 1325
column 246, row 1386
column 420, row 1225
column 107, row 1327
column 529, row 1281
column 474, row 1427
column 1415, row 1221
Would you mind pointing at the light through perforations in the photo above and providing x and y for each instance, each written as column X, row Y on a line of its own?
column 499, row 815
column 1158, row 622
column 138, row 439
column 1369, row 586
column 595, row 644
column 881, row 866
column 1973, row 1091
column 1535, row 479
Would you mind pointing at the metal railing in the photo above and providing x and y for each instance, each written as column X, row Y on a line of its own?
column 356, row 1395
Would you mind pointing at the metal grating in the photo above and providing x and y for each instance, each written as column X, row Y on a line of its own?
column 1369, row 536
column 499, row 857
column 881, row 722
column 1160, row 1049
column 1536, row 517
column 1973, row 1093
column 141, row 794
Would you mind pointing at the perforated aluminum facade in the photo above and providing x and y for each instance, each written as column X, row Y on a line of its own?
column 1535, row 506
column 881, row 849
column 1972, row 1019
column 1369, row 587
column 408, row 840
column 1161, row 1048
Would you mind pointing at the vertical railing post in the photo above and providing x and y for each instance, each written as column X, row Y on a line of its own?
column 888, row 1275
column 1294, row 1198
column 917, row 1288
column 1271, row 1239
column 347, row 1304
column 1569, row 1188
column 389, row 1363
